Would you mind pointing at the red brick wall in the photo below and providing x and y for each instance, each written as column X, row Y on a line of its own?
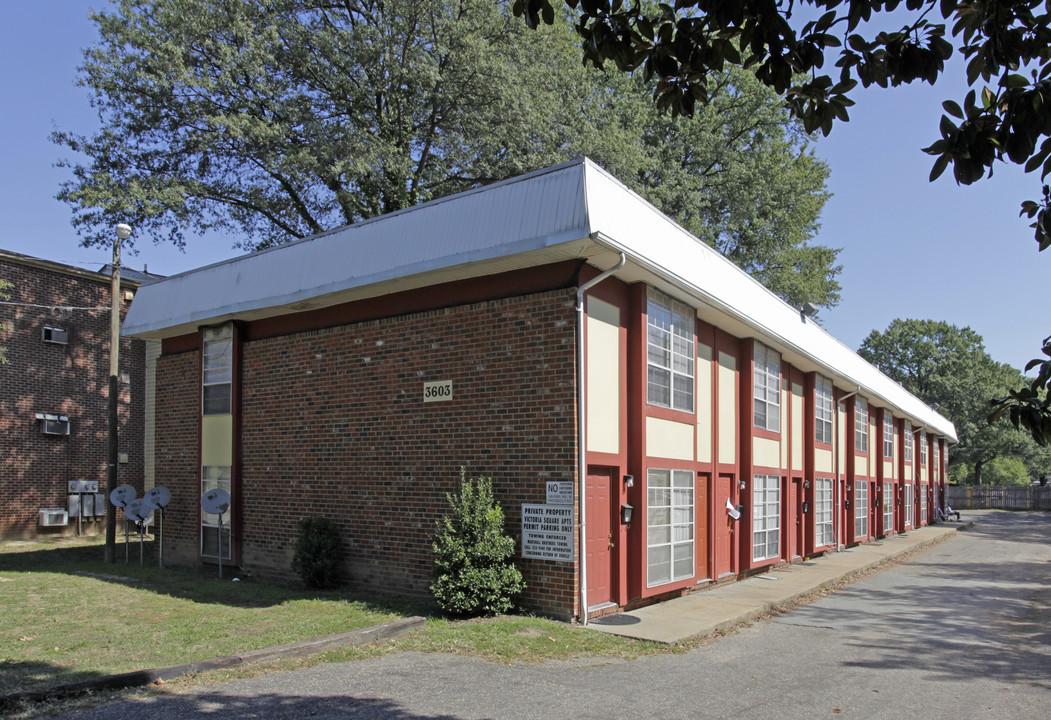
column 68, row 379
column 334, row 425
column 176, row 453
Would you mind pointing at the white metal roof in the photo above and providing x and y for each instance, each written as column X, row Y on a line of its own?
column 572, row 210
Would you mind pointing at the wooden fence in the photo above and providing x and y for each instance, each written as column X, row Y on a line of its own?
column 1004, row 497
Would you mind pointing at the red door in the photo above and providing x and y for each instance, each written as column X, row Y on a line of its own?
column 724, row 527
column 798, row 522
column 600, row 542
column 875, row 513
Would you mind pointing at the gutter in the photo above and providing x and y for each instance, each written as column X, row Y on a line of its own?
column 582, row 467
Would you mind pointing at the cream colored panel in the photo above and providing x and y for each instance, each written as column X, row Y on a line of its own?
column 888, row 469
column 846, row 439
column 822, row 461
column 217, row 440
column 766, row 452
column 727, row 409
column 797, row 427
column 603, row 373
column 704, row 403
column 861, row 465
column 923, row 474
column 908, row 472
column 874, row 450
column 669, row 439
column 786, row 431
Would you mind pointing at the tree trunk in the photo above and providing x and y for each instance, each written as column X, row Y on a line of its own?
column 978, row 472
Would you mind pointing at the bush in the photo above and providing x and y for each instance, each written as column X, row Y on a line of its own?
column 316, row 560
column 473, row 569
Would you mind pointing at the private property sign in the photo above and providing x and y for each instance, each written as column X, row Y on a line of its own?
column 547, row 532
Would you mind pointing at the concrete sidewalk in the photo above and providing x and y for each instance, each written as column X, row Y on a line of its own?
column 724, row 606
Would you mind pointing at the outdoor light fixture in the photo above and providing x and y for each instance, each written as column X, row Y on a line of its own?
column 806, row 507
column 625, row 513
column 806, row 484
column 742, row 484
column 629, row 481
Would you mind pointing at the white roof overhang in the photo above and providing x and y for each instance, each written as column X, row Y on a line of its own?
column 573, row 210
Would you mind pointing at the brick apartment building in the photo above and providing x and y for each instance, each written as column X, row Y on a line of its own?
column 654, row 420
column 54, row 394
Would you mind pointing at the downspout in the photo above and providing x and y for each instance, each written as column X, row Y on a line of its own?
column 582, row 468
column 836, row 459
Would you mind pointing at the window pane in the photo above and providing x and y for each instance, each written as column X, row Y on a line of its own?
column 670, row 528
column 216, row 399
column 658, row 535
column 659, row 387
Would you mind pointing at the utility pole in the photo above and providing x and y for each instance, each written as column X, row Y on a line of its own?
column 123, row 232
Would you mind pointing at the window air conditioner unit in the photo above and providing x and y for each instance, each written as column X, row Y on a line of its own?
column 54, row 424
column 59, row 336
column 51, row 517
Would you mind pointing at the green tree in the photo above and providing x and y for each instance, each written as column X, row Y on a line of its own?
column 948, row 368
column 271, row 121
column 1006, row 471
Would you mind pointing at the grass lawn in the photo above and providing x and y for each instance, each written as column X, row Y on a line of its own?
column 66, row 616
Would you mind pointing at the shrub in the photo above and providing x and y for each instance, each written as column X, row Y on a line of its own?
column 473, row 569
column 316, row 559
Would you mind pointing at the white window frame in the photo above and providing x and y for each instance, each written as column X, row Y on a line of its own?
column 670, row 352
column 923, row 449
column 861, row 424
column 923, row 505
column 215, row 476
column 861, row 509
column 766, row 517
column 824, row 407
column 908, row 442
column 888, row 507
column 824, row 531
column 937, row 456
column 910, row 501
column 217, row 371
column 888, row 434
column 766, row 389
column 670, row 526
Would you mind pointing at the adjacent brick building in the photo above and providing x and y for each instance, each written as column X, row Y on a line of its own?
column 653, row 419
column 54, row 393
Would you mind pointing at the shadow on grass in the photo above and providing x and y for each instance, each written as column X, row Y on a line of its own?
column 84, row 558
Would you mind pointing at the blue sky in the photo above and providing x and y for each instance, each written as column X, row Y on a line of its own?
column 910, row 248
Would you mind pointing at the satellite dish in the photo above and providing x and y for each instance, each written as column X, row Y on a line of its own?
column 138, row 511
column 158, row 497
column 122, row 495
column 215, row 501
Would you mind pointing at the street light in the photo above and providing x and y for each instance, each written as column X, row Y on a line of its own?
column 123, row 232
